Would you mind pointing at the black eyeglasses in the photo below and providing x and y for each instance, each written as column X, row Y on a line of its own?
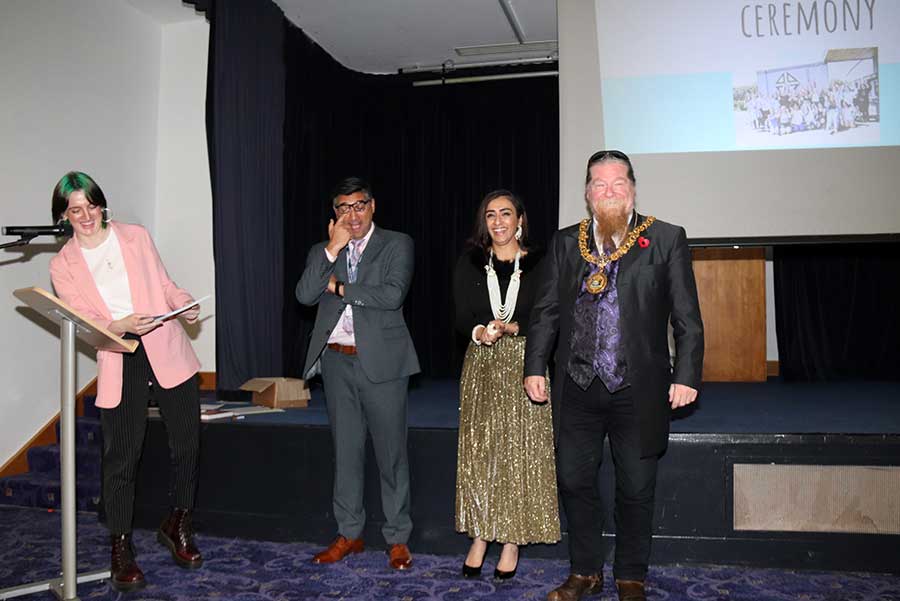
column 359, row 206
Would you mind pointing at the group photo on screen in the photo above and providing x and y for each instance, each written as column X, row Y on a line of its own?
column 812, row 103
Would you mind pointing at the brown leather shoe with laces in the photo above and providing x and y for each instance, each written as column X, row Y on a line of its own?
column 340, row 548
column 399, row 557
column 125, row 575
column 176, row 534
column 631, row 590
column 577, row 586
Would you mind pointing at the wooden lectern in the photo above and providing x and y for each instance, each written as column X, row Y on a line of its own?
column 72, row 324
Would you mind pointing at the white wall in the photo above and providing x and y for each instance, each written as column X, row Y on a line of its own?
column 82, row 90
column 580, row 108
column 184, row 198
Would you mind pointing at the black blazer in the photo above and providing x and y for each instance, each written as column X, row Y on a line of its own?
column 653, row 283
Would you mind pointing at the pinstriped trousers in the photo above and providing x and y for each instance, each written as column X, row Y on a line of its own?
column 124, row 428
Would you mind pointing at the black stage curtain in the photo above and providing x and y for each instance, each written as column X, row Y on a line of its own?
column 836, row 311
column 430, row 153
column 245, row 116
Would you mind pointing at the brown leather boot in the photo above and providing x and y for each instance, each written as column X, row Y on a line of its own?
column 176, row 534
column 125, row 575
column 577, row 586
column 631, row 590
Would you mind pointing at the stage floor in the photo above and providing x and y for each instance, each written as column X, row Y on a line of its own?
column 270, row 476
column 772, row 407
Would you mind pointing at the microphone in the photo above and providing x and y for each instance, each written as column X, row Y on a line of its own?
column 30, row 231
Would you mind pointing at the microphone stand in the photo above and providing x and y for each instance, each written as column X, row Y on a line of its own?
column 24, row 240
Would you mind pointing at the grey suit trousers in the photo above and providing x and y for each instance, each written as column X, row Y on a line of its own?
column 356, row 404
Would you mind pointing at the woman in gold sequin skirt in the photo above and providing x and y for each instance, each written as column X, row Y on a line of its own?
column 506, row 477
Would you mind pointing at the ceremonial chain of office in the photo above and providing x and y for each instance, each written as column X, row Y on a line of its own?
column 597, row 283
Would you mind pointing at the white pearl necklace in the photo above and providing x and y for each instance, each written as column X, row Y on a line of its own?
column 503, row 311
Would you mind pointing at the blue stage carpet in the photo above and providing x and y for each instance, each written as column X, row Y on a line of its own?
column 258, row 571
column 772, row 407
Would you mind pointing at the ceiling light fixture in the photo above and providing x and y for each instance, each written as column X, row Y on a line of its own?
column 535, row 52
column 449, row 66
column 488, row 49
column 477, row 78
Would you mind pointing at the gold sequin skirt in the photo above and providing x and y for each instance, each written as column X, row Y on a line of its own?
column 505, row 469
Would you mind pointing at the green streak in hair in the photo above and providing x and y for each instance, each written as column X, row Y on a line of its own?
column 72, row 182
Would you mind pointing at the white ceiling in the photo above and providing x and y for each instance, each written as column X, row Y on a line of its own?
column 382, row 36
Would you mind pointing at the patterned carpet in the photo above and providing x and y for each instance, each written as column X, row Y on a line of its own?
column 260, row 571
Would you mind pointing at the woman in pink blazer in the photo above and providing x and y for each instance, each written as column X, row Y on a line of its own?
column 112, row 273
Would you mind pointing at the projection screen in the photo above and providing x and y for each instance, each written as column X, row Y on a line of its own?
column 769, row 119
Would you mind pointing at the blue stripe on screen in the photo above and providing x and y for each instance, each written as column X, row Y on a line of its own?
column 889, row 86
column 669, row 113
column 694, row 113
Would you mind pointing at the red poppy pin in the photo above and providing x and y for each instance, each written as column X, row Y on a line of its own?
column 643, row 242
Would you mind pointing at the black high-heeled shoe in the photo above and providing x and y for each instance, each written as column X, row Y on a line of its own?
column 501, row 575
column 470, row 572
column 474, row 572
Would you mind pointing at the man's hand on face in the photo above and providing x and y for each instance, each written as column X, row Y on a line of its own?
column 338, row 234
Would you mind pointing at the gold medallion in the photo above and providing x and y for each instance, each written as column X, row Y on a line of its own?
column 596, row 283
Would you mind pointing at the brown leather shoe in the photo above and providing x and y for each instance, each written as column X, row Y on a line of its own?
column 125, row 575
column 340, row 548
column 577, row 586
column 400, row 557
column 631, row 590
column 177, row 535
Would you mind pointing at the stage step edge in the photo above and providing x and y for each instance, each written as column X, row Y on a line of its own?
column 46, row 435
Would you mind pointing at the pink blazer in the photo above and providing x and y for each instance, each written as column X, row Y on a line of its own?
column 152, row 292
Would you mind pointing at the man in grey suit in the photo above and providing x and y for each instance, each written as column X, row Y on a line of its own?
column 359, row 278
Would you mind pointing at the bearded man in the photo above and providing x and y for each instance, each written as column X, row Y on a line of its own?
column 610, row 286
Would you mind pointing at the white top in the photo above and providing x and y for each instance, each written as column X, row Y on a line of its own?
column 343, row 332
column 106, row 264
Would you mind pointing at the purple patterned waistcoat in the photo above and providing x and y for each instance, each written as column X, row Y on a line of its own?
column 596, row 341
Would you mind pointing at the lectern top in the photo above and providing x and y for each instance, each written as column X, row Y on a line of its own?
column 55, row 310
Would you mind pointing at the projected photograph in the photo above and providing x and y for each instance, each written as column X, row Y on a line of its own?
column 832, row 102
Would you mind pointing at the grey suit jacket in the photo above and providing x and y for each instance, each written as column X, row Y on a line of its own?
column 384, row 346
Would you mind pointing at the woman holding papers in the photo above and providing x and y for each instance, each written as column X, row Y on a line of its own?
column 111, row 273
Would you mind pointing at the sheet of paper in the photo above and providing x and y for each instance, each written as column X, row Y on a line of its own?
column 211, row 414
column 254, row 410
column 180, row 310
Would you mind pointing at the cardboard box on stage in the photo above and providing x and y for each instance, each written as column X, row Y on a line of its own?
column 278, row 393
